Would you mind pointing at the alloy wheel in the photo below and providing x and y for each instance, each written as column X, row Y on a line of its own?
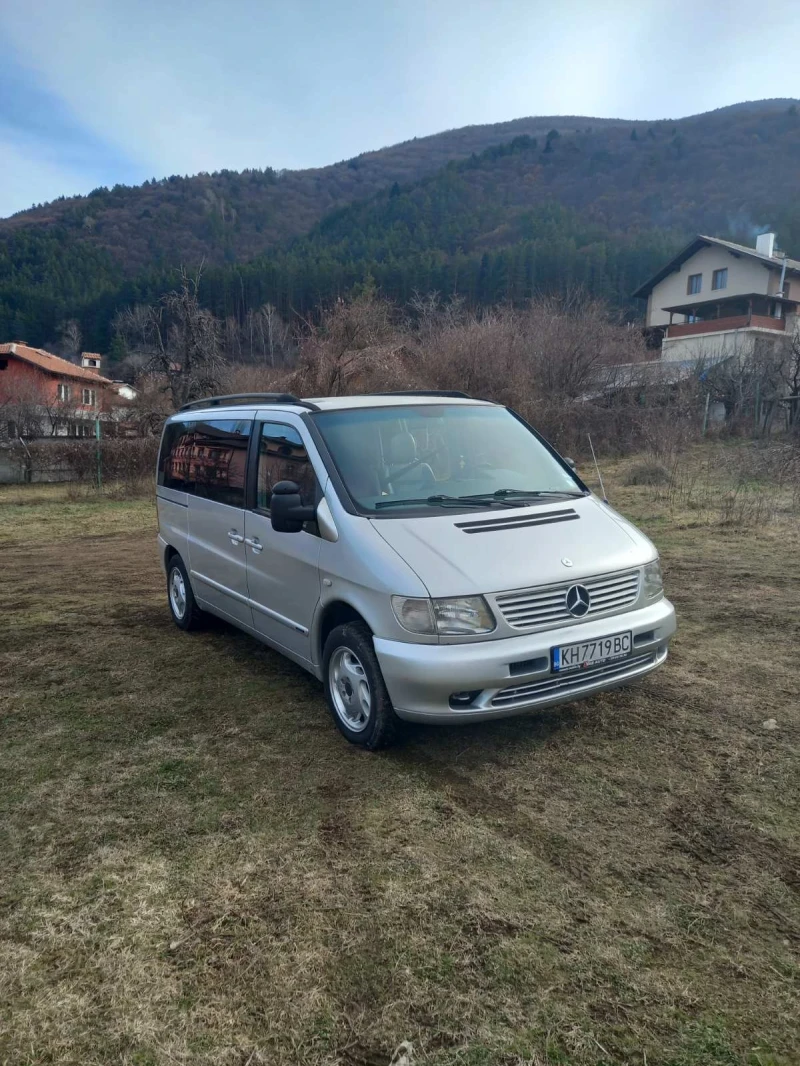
column 350, row 689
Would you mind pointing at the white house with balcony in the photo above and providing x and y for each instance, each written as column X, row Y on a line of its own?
column 716, row 299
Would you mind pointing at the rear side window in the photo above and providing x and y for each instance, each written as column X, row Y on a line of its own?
column 207, row 459
column 282, row 456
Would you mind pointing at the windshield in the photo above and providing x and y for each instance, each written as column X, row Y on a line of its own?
column 428, row 457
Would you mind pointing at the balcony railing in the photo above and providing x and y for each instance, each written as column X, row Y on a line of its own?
column 717, row 325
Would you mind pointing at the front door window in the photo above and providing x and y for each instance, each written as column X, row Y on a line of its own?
column 282, row 456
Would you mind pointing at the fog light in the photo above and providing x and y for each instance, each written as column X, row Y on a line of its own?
column 464, row 699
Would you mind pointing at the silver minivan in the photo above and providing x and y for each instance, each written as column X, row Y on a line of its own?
column 427, row 556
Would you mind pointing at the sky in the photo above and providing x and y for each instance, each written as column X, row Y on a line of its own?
column 95, row 92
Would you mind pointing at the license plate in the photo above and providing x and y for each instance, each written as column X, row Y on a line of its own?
column 591, row 652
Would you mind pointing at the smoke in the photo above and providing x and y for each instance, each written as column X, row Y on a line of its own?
column 744, row 229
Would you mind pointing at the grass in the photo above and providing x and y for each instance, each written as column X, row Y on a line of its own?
column 197, row 869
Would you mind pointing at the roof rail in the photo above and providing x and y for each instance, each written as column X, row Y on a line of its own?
column 249, row 397
column 453, row 394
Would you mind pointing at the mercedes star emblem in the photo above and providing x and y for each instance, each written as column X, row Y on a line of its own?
column 578, row 600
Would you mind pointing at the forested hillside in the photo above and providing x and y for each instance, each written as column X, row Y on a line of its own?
column 492, row 212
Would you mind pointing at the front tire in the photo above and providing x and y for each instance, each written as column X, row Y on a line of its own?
column 182, row 605
column 355, row 689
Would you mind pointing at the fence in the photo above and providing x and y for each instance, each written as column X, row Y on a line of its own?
column 88, row 462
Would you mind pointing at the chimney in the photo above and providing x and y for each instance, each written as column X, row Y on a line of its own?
column 765, row 244
column 91, row 361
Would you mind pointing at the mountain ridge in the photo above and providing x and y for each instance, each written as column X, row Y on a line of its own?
column 541, row 201
column 532, row 125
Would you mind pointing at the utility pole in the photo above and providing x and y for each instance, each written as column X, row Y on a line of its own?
column 705, row 413
column 99, row 455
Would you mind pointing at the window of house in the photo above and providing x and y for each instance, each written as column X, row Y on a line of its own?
column 719, row 279
column 64, row 392
column 185, row 462
column 694, row 285
column 89, row 397
column 12, row 430
column 282, row 456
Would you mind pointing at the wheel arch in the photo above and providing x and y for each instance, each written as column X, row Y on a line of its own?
column 333, row 614
column 169, row 551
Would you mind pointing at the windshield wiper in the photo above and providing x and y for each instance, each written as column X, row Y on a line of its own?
column 503, row 494
column 441, row 501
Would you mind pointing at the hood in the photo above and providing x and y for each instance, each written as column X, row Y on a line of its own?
column 501, row 549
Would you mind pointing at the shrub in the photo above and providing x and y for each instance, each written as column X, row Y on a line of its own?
column 650, row 472
column 127, row 467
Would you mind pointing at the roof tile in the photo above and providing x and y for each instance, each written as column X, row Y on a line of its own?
column 52, row 364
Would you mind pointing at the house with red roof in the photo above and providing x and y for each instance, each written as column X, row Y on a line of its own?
column 43, row 395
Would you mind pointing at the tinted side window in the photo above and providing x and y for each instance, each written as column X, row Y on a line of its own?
column 282, row 456
column 207, row 459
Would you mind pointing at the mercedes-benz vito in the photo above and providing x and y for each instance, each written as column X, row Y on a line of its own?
column 427, row 556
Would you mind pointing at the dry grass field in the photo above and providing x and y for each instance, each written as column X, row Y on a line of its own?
column 195, row 868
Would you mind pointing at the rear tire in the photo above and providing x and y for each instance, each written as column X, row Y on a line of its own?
column 355, row 689
column 182, row 605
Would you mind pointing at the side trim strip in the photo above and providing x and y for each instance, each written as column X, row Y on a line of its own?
column 220, row 588
column 250, row 603
column 278, row 617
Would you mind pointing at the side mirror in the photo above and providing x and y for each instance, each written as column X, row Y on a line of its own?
column 570, row 463
column 287, row 512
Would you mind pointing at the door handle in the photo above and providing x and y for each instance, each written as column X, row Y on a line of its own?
column 236, row 538
column 254, row 543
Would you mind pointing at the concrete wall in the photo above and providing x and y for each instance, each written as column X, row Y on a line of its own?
column 11, row 469
column 744, row 276
column 707, row 347
column 16, row 470
column 739, row 342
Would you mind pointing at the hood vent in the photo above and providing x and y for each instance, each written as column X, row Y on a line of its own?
column 497, row 525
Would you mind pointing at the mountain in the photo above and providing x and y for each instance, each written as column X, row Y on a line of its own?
column 233, row 215
column 494, row 211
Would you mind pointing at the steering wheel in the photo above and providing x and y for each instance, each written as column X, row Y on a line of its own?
column 411, row 466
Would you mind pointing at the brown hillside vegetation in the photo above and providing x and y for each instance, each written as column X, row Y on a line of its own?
column 717, row 170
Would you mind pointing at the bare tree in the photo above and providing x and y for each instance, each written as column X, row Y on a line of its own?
column 747, row 380
column 276, row 332
column 58, row 412
column 24, row 410
column 151, row 405
column 265, row 336
column 70, row 337
column 790, row 378
column 181, row 340
column 356, row 344
column 232, row 339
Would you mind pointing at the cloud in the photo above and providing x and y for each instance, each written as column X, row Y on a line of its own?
column 133, row 90
column 46, row 151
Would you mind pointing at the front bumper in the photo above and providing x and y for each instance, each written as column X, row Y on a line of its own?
column 422, row 677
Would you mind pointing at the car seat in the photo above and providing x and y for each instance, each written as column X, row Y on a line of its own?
column 405, row 476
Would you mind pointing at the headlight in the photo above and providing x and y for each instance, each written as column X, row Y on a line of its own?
column 465, row 616
column 653, row 582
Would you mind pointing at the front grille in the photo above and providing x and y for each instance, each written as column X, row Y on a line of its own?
column 574, row 682
column 528, row 608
